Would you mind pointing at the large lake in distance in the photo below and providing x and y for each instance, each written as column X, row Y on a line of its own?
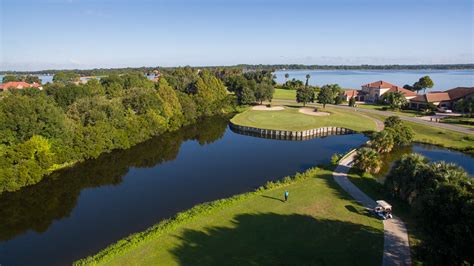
column 353, row 79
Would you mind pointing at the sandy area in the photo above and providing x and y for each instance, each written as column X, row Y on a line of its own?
column 265, row 108
column 310, row 111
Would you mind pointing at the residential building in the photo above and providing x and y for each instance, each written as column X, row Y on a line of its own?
column 19, row 85
column 375, row 90
column 442, row 99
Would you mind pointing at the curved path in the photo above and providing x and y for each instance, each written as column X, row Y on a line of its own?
column 396, row 248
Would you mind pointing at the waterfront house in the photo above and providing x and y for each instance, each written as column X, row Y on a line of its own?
column 19, row 85
column 374, row 91
column 442, row 99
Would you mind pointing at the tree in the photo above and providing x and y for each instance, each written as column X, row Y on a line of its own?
column 367, row 160
column 9, row 78
column 326, row 95
column 286, row 76
column 352, row 102
column 395, row 99
column 465, row 106
column 65, row 77
column 305, row 95
column 246, row 96
column 308, row 76
column 264, row 92
column 382, row 141
column 393, row 121
column 425, row 83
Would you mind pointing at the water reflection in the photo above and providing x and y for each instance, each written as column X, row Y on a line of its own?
column 36, row 207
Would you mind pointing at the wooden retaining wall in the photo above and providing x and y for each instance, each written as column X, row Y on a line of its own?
column 289, row 135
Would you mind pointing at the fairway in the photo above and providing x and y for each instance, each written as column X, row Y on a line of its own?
column 291, row 119
column 320, row 224
column 281, row 94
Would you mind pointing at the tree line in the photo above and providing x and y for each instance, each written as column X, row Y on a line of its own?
column 66, row 122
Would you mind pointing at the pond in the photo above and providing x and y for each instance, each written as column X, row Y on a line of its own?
column 432, row 153
column 78, row 211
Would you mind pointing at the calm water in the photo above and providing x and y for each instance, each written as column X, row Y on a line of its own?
column 433, row 153
column 77, row 212
column 443, row 79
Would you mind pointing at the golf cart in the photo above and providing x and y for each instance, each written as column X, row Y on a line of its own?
column 383, row 210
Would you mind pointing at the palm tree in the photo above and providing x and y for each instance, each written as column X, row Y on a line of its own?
column 307, row 79
column 368, row 160
column 382, row 141
column 286, row 76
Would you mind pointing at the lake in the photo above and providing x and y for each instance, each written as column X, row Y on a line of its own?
column 78, row 211
column 443, row 79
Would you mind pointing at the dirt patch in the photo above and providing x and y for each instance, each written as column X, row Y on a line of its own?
column 310, row 111
column 265, row 108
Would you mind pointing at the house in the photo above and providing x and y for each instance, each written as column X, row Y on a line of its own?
column 375, row 90
column 442, row 99
column 358, row 95
column 19, row 85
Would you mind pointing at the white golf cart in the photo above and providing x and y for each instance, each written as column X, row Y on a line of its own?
column 383, row 210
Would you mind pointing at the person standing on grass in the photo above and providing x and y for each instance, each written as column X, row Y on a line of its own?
column 286, row 195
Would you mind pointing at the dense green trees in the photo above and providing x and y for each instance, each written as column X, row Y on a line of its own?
column 66, row 77
column 68, row 122
column 395, row 100
column 330, row 94
column 442, row 196
column 367, row 160
column 305, row 95
column 251, row 88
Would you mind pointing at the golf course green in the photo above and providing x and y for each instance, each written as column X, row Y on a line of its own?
column 291, row 119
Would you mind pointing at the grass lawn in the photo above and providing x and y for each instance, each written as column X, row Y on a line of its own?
column 379, row 107
column 291, row 119
column 281, row 94
column 320, row 224
column 460, row 121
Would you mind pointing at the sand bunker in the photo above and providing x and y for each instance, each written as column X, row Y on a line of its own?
column 310, row 111
column 265, row 108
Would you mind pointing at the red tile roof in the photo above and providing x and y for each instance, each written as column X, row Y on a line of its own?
column 460, row 92
column 18, row 84
column 449, row 95
column 392, row 88
column 351, row 93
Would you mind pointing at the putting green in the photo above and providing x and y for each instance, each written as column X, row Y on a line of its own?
column 291, row 119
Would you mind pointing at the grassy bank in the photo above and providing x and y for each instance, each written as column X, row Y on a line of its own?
column 320, row 224
column 291, row 119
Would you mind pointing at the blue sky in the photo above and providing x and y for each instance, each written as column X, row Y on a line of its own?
column 85, row 33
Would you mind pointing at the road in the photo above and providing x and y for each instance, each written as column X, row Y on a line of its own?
column 386, row 113
column 396, row 248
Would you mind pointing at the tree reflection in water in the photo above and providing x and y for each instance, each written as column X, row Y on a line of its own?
column 36, row 207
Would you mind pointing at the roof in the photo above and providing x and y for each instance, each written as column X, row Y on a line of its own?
column 16, row 84
column 383, row 204
column 449, row 95
column 460, row 92
column 352, row 93
column 392, row 88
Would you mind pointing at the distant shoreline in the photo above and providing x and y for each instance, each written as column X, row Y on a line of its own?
column 277, row 67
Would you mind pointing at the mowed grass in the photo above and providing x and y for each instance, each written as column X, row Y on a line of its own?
column 291, row 119
column 319, row 225
column 281, row 94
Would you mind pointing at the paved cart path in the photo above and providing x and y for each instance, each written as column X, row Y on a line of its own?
column 396, row 248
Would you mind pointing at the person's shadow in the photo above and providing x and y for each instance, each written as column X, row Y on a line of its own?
column 273, row 198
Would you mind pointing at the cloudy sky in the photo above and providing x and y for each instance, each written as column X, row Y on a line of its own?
column 45, row 34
